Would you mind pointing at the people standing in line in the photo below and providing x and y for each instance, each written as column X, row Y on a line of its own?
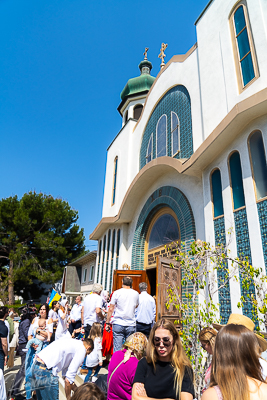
column 25, row 323
column 92, row 309
column 14, row 342
column 94, row 359
column 165, row 372
column 123, row 303
column 123, row 365
column 64, row 355
column 146, row 311
column 236, row 372
column 207, row 337
column 4, row 337
column 75, row 315
column 62, row 327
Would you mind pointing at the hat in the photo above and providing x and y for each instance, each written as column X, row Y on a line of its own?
column 239, row 319
column 63, row 302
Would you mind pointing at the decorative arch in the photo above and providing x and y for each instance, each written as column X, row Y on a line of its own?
column 165, row 196
column 176, row 100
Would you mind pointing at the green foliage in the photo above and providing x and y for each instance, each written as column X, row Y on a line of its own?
column 197, row 306
column 38, row 237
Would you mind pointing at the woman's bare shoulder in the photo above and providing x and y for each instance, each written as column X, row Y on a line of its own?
column 209, row 394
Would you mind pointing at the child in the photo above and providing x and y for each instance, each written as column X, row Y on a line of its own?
column 94, row 359
column 39, row 339
column 88, row 391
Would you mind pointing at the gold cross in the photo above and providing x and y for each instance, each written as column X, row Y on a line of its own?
column 162, row 55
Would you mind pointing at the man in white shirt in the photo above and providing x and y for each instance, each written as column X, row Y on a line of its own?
column 75, row 315
column 91, row 309
column 146, row 311
column 124, row 301
column 64, row 355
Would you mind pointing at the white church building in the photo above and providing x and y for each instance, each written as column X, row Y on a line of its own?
column 190, row 159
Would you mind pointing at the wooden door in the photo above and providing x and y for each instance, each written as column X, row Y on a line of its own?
column 138, row 276
column 168, row 278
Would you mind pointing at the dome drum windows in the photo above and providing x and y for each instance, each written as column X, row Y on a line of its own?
column 161, row 135
column 114, row 181
column 243, row 46
column 137, row 111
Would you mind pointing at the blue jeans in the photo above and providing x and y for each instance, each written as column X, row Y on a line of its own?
column 120, row 334
column 90, row 369
column 44, row 382
column 2, row 359
column 28, row 369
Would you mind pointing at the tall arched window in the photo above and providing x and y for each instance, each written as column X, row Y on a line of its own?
column 258, row 164
column 114, row 180
column 216, row 187
column 161, row 134
column 175, row 133
column 236, row 180
column 244, row 52
column 99, row 257
column 138, row 111
column 149, row 152
column 118, row 248
column 108, row 244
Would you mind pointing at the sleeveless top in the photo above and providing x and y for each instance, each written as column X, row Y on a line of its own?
column 218, row 392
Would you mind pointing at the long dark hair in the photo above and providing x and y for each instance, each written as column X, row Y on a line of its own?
column 46, row 308
column 235, row 358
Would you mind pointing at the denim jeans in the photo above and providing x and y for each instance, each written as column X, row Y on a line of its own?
column 90, row 369
column 2, row 359
column 44, row 382
column 143, row 328
column 120, row 334
column 28, row 370
column 16, row 388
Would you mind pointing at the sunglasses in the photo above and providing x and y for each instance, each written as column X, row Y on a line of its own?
column 166, row 341
column 203, row 345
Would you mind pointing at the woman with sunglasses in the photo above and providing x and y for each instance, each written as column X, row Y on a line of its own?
column 165, row 372
column 207, row 339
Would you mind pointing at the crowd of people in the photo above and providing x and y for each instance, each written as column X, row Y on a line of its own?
column 146, row 360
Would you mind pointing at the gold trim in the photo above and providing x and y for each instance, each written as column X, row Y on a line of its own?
column 240, row 84
column 162, row 211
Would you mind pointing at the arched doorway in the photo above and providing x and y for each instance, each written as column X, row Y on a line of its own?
column 163, row 236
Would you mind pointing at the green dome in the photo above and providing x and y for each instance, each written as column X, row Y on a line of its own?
column 140, row 83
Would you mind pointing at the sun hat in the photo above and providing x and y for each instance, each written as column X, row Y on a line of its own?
column 239, row 319
column 97, row 288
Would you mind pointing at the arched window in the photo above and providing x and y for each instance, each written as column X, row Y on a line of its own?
column 216, row 187
column 126, row 116
column 114, row 180
column 137, row 111
column 164, row 231
column 113, row 244
column 258, row 164
column 244, row 52
column 161, row 134
column 149, row 152
column 175, row 133
column 236, row 180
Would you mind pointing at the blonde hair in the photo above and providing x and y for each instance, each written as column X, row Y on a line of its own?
column 96, row 331
column 208, row 335
column 179, row 359
column 235, row 358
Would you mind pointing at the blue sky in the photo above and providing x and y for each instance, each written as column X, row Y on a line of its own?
column 63, row 65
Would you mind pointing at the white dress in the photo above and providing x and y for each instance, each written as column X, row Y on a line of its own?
column 95, row 357
column 62, row 329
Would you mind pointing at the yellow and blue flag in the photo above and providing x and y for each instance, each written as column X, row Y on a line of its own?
column 54, row 296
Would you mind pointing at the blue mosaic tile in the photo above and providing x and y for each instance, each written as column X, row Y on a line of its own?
column 243, row 252
column 224, row 293
column 162, row 197
column 262, row 212
column 176, row 99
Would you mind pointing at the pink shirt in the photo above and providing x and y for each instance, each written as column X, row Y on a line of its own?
column 120, row 387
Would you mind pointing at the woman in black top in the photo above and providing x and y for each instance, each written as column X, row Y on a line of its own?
column 165, row 373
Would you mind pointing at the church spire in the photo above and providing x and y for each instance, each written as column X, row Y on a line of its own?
column 145, row 66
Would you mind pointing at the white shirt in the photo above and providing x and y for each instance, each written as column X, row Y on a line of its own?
column 146, row 311
column 64, row 355
column 35, row 325
column 125, row 301
column 2, row 386
column 62, row 328
column 76, row 312
column 95, row 357
column 53, row 314
column 263, row 364
column 91, row 302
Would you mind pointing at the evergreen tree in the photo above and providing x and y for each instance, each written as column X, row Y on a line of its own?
column 38, row 237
